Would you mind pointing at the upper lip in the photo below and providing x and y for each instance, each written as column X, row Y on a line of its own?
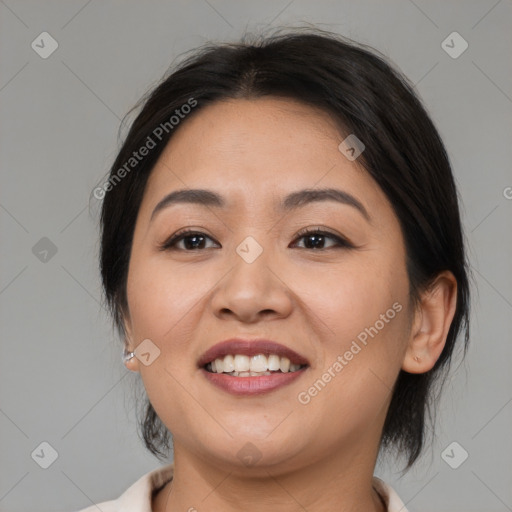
column 250, row 348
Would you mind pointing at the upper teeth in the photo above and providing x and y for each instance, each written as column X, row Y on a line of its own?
column 257, row 363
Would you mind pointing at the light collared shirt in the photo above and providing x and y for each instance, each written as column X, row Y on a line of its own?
column 138, row 497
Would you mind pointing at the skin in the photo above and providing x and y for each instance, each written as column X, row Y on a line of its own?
column 320, row 455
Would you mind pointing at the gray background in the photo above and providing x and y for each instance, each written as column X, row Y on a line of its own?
column 62, row 380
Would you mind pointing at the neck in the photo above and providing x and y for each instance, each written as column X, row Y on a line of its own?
column 336, row 483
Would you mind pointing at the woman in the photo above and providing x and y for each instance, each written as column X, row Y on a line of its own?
column 283, row 256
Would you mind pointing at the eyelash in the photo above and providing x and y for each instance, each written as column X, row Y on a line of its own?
column 185, row 233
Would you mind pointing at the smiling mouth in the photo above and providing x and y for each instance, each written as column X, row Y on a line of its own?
column 240, row 365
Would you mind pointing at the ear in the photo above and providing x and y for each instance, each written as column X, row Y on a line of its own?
column 133, row 363
column 432, row 320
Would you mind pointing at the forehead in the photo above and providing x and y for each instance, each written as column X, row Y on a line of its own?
column 255, row 151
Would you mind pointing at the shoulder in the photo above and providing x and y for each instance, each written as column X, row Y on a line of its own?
column 138, row 497
column 388, row 494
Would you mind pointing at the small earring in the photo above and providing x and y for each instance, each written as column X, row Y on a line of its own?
column 417, row 359
column 127, row 356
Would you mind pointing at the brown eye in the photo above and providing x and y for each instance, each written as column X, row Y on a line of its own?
column 315, row 239
column 192, row 241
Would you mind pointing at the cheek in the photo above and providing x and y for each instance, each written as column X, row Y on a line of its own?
column 165, row 307
column 361, row 311
column 163, row 303
column 353, row 295
column 161, row 296
column 352, row 383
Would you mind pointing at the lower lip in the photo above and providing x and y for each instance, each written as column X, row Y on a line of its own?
column 252, row 385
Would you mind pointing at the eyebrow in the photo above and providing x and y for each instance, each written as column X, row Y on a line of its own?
column 292, row 201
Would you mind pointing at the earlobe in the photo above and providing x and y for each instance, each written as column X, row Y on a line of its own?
column 129, row 359
column 432, row 321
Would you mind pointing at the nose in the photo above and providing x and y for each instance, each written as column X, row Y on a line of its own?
column 251, row 292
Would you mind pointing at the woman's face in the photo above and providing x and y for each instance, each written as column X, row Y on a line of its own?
column 252, row 274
